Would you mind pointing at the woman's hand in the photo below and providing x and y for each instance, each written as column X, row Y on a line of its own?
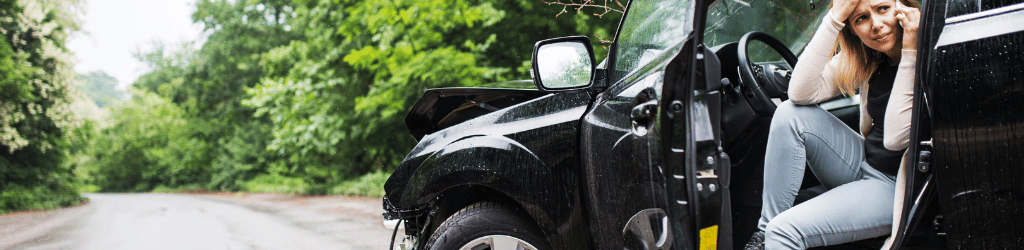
column 910, row 19
column 841, row 9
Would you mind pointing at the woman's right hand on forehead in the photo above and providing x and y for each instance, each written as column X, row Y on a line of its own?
column 841, row 9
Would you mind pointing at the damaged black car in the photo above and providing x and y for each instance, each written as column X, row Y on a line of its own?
column 662, row 145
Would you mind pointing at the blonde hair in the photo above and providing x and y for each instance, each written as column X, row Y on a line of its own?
column 857, row 61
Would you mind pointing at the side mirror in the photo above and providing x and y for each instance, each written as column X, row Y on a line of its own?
column 563, row 64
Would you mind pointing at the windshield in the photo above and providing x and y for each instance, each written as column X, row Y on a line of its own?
column 791, row 21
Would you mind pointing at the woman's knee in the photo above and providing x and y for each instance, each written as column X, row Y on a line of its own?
column 787, row 113
column 783, row 234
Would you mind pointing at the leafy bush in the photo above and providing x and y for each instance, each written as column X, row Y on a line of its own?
column 371, row 184
column 17, row 197
column 35, row 113
column 148, row 143
column 88, row 188
column 194, row 187
column 272, row 183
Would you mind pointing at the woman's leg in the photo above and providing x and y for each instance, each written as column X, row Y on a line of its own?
column 854, row 211
column 801, row 136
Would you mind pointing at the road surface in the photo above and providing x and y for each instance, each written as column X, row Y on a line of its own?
column 201, row 221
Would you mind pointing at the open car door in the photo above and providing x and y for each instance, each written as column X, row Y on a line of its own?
column 640, row 183
column 967, row 128
column 698, row 170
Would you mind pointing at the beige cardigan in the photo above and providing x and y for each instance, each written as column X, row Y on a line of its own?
column 812, row 84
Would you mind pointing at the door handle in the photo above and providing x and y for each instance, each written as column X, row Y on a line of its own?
column 645, row 111
column 642, row 117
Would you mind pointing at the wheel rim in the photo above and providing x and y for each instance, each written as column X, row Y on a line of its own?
column 498, row 242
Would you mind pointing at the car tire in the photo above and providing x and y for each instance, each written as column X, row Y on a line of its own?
column 487, row 225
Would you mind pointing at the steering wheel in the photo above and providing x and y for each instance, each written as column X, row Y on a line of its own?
column 764, row 82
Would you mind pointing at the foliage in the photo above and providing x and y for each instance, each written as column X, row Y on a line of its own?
column 292, row 96
column 371, row 184
column 337, row 98
column 40, row 197
column 35, row 85
column 306, row 96
column 81, row 144
column 273, row 183
column 179, row 189
column 203, row 136
column 148, row 144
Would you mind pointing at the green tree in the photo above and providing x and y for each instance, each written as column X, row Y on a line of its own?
column 208, row 84
column 338, row 97
column 149, row 144
column 242, row 31
column 306, row 95
column 35, row 81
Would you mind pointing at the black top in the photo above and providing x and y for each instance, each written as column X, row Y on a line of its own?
column 879, row 157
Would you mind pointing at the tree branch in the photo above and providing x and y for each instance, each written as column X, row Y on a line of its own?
column 578, row 6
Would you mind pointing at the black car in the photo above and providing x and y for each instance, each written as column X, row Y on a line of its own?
column 661, row 146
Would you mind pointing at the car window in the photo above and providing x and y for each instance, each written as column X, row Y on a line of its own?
column 791, row 21
column 963, row 7
column 651, row 27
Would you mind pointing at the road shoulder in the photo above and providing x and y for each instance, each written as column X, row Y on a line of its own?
column 27, row 226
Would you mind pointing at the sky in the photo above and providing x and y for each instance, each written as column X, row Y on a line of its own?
column 113, row 29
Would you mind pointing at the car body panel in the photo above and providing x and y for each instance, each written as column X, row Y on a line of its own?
column 975, row 87
column 438, row 109
column 620, row 181
column 527, row 151
column 627, row 187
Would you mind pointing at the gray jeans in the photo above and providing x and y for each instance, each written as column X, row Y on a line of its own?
column 859, row 200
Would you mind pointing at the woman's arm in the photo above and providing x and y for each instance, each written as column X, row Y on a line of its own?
column 901, row 99
column 813, row 73
column 901, row 103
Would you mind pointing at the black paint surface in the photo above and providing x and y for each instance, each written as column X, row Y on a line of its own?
column 978, row 119
column 528, row 152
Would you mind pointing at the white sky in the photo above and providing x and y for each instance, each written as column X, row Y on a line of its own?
column 113, row 29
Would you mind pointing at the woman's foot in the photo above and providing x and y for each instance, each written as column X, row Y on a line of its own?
column 756, row 241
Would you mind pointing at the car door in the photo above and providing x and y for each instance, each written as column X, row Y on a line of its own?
column 691, row 135
column 971, row 68
column 627, row 183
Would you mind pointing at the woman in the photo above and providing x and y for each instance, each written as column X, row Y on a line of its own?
column 877, row 52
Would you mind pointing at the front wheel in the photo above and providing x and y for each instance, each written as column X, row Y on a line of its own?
column 487, row 225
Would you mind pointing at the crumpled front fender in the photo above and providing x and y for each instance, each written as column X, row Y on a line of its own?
column 493, row 161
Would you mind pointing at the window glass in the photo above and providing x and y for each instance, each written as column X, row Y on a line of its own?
column 793, row 22
column 964, row 7
column 651, row 27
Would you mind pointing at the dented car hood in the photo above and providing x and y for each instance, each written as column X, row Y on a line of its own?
column 438, row 109
column 461, row 141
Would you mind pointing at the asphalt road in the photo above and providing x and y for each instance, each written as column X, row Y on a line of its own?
column 188, row 221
